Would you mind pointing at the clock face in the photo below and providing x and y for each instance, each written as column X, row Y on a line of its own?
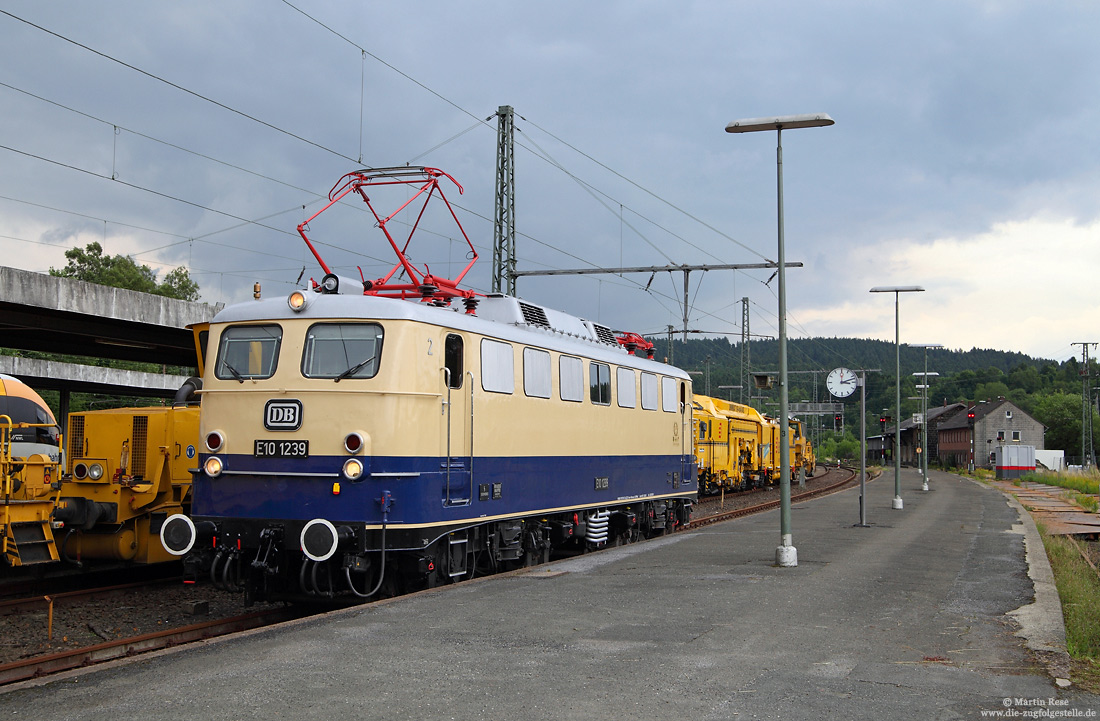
column 842, row 382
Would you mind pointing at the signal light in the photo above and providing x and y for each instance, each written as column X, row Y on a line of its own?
column 353, row 442
column 353, row 469
column 297, row 301
column 213, row 466
column 214, row 441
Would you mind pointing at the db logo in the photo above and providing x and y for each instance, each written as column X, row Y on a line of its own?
column 283, row 415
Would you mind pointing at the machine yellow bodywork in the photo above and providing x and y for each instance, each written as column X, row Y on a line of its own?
column 128, row 470
column 28, row 491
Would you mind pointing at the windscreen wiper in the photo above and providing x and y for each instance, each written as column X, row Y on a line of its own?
column 233, row 372
column 354, row 369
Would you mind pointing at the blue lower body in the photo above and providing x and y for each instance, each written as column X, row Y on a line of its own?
column 425, row 492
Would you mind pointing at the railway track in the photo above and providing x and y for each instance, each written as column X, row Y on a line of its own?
column 25, row 669
column 42, row 665
column 848, row 478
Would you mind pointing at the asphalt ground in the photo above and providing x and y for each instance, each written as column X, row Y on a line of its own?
column 908, row 618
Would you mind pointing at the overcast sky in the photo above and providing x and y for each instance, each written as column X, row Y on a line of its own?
column 964, row 158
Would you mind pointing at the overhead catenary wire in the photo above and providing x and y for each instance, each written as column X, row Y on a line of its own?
column 364, row 53
column 179, row 87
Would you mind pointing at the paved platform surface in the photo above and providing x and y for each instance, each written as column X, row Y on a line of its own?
column 905, row 619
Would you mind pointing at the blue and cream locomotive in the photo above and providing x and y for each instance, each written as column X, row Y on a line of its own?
column 365, row 437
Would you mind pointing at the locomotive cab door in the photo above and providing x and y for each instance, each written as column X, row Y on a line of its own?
column 457, row 432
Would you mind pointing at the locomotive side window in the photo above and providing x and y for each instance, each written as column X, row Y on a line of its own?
column 452, row 359
column 342, row 350
column 571, row 378
column 649, row 392
column 498, row 374
column 599, row 383
column 536, row 373
column 669, row 401
column 248, row 351
column 624, row 386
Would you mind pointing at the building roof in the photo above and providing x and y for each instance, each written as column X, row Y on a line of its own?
column 933, row 413
column 980, row 411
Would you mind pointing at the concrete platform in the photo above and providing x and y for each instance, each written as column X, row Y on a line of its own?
column 905, row 619
column 1049, row 505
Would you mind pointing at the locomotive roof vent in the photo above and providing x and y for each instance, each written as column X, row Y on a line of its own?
column 603, row 333
column 534, row 315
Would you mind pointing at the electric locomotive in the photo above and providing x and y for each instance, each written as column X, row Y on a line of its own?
column 366, row 437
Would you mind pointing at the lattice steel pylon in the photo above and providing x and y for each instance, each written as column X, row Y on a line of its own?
column 745, row 361
column 504, row 233
column 1087, row 457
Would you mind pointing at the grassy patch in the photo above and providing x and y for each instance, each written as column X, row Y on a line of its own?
column 1084, row 488
column 1078, row 587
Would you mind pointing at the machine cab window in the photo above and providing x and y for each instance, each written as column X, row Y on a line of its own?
column 248, row 352
column 342, row 350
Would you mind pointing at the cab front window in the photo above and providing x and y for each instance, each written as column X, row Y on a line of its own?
column 342, row 350
column 248, row 352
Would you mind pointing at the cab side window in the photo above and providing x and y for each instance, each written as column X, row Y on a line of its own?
column 452, row 360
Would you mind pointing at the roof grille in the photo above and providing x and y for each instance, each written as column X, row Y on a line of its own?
column 605, row 334
column 534, row 315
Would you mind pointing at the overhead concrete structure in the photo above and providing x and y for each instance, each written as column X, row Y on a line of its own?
column 56, row 375
column 50, row 314
column 61, row 315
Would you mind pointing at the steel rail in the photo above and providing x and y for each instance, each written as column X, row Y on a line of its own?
column 761, row 507
column 40, row 666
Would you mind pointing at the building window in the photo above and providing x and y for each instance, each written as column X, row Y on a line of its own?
column 1000, row 435
column 1016, row 436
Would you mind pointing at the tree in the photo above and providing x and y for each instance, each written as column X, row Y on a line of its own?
column 119, row 271
column 990, row 391
column 1061, row 414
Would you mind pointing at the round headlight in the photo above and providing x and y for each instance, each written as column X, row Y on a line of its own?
column 353, row 443
column 80, row 471
column 95, row 472
column 296, row 301
column 353, row 469
column 214, row 441
column 213, row 466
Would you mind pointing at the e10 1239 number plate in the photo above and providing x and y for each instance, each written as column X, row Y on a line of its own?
column 281, row 449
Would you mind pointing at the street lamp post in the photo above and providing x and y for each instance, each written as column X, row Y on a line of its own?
column 924, row 407
column 785, row 554
column 897, row 290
